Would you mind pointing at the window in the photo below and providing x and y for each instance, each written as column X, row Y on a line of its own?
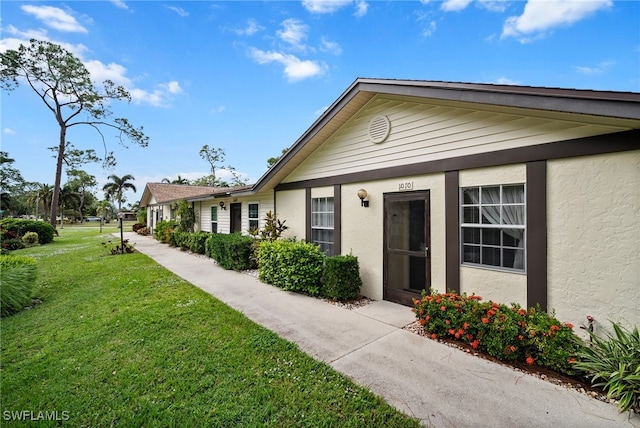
column 253, row 216
column 493, row 226
column 322, row 224
column 214, row 219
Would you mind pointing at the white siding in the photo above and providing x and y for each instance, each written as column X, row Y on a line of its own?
column 423, row 132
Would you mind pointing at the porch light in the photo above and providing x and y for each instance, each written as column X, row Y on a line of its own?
column 222, row 205
column 362, row 194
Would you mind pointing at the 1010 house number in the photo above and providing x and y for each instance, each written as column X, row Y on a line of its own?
column 405, row 186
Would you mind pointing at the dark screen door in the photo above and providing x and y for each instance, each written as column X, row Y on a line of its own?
column 236, row 218
column 407, row 270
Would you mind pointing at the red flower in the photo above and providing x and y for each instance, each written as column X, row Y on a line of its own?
column 451, row 331
column 434, row 336
column 475, row 344
column 485, row 320
column 522, row 312
column 461, row 331
column 469, row 336
column 568, row 324
column 447, row 322
column 457, row 335
column 427, row 318
column 530, row 360
column 571, row 360
column 465, row 325
column 555, row 328
column 443, row 308
column 423, row 321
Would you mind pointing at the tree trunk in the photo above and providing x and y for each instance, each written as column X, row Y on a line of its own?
column 56, row 187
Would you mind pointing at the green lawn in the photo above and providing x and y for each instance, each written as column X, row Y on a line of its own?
column 120, row 341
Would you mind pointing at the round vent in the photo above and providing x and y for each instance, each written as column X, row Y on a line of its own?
column 379, row 129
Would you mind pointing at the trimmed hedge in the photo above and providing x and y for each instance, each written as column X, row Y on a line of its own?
column 197, row 242
column 17, row 277
column 164, row 232
column 341, row 279
column 21, row 226
column 231, row 251
column 294, row 266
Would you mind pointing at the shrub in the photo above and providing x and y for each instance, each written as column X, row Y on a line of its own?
column 231, row 251
column 164, row 232
column 143, row 231
column 30, row 238
column 197, row 242
column 506, row 333
column 613, row 363
column 341, row 279
column 137, row 226
column 20, row 226
column 17, row 277
column 272, row 230
column 181, row 239
column 295, row 266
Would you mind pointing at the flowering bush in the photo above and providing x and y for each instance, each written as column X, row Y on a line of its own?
column 505, row 332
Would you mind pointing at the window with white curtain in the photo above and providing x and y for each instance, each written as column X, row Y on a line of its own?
column 492, row 226
column 322, row 224
column 253, row 216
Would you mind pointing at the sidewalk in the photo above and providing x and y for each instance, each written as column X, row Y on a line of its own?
column 440, row 385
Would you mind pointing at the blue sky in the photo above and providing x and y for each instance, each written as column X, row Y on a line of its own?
column 251, row 77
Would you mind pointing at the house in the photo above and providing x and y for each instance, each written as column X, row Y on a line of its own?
column 519, row 194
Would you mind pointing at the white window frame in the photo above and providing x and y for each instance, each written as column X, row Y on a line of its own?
column 322, row 223
column 255, row 219
column 478, row 222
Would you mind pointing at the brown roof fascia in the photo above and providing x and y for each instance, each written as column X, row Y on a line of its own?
column 624, row 105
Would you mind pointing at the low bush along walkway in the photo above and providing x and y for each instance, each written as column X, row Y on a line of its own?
column 532, row 336
column 120, row 341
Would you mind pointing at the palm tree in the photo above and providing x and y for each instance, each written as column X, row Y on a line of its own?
column 103, row 209
column 117, row 186
column 43, row 194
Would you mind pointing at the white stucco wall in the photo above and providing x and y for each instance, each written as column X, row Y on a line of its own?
column 491, row 284
column 593, row 205
column 362, row 228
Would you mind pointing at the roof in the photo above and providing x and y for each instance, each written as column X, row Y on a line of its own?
column 606, row 105
column 165, row 193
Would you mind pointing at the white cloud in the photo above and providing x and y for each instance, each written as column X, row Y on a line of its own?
column 217, row 109
column 598, row 69
column 294, row 32
column 454, row 5
column 506, row 81
column 540, row 16
column 55, row 18
column 251, row 28
column 430, row 29
column 180, row 11
column 294, row 68
column 8, row 131
column 172, row 87
column 120, row 3
column 361, row 8
column 326, row 6
column 327, row 45
column 493, row 5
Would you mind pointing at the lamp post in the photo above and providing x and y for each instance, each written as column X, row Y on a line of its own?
column 120, row 217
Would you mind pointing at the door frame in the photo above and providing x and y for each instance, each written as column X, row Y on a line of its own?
column 405, row 297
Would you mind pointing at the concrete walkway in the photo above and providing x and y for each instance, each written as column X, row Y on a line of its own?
column 440, row 385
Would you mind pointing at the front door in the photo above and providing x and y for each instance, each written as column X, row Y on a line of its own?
column 407, row 270
column 236, row 218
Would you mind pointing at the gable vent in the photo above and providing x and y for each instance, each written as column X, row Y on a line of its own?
column 379, row 129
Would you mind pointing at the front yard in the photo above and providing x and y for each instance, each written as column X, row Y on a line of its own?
column 120, row 341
